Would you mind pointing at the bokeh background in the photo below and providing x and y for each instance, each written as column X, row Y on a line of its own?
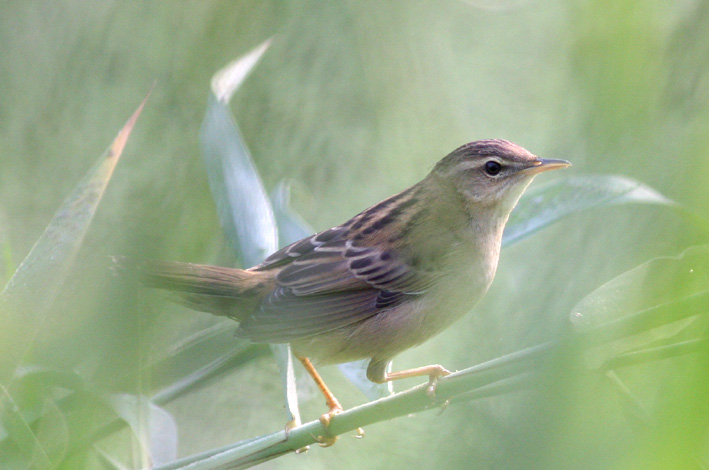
column 356, row 100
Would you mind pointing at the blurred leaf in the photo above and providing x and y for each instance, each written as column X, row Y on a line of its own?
column 356, row 372
column 545, row 204
column 635, row 413
column 32, row 386
column 244, row 209
column 15, row 425
column 31, row 290
column 226, row 81
column 291, row 226
column 40, row 445
column 8, row 264
column 656, row 353
column 191, row 362
column 29, row 416
column 52, row 438
column 34, row 376
column 200, row 359
column 657, row 283
column 154, row 427
column 109, row 462
column 284, row 359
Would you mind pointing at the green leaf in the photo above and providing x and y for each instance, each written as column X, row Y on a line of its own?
column 291, row 226
column 200, row 359
column 226, row 81
column 7, row 264
column 41, row 438
column 244, row 209
column 545, row 204
column 658, row 283
column 356, row 372
column 30, row 418
column 154, row 428
column 109, row 462
column 27, row 296
column 52, row 437
column 284, row 360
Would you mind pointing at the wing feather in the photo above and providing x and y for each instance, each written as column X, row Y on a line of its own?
column 335, row 278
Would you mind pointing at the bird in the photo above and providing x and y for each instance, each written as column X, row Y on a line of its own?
column 388, row 279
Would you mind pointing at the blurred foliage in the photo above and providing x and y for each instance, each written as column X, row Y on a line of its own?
column 355, row 100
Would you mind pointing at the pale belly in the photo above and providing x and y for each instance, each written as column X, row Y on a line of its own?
column 390, row 332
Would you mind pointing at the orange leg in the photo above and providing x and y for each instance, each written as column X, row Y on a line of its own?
column 330, row 399
column 332, row 403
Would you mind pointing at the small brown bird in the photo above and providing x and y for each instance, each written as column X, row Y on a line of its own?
column 384, row 281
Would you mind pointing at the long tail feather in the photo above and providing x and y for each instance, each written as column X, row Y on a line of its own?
column 218, row 290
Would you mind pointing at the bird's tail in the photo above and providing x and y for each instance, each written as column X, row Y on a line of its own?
column 221, row 291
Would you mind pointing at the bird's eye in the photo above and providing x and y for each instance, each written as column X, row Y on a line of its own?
column 492, row 168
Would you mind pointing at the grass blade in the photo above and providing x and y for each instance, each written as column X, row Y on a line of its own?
column 545, row 204
column 25, row 300
column 245, row 211
column 661, row 285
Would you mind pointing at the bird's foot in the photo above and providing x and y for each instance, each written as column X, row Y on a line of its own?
column 436, row 373
column 325, row 420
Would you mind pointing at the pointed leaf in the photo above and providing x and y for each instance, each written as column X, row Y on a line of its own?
column 244, row 209
column 31, row 290
column 545, row 204
column 657, row 283
column 243, row 206
column 229, row 79
column 284, row 360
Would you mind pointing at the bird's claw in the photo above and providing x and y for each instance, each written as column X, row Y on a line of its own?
column 325, row 420
column 326, row 441
column 433, row 381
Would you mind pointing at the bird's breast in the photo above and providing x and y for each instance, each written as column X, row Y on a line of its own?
column 462, row 284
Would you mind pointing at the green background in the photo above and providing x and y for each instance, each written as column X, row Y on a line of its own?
column 356, row 100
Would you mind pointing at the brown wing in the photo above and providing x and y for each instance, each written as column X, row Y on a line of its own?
column 328, row 281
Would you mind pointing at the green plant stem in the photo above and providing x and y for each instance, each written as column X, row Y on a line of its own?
column 509, row 373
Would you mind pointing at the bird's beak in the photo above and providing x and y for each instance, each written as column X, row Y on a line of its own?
column 545, row 164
